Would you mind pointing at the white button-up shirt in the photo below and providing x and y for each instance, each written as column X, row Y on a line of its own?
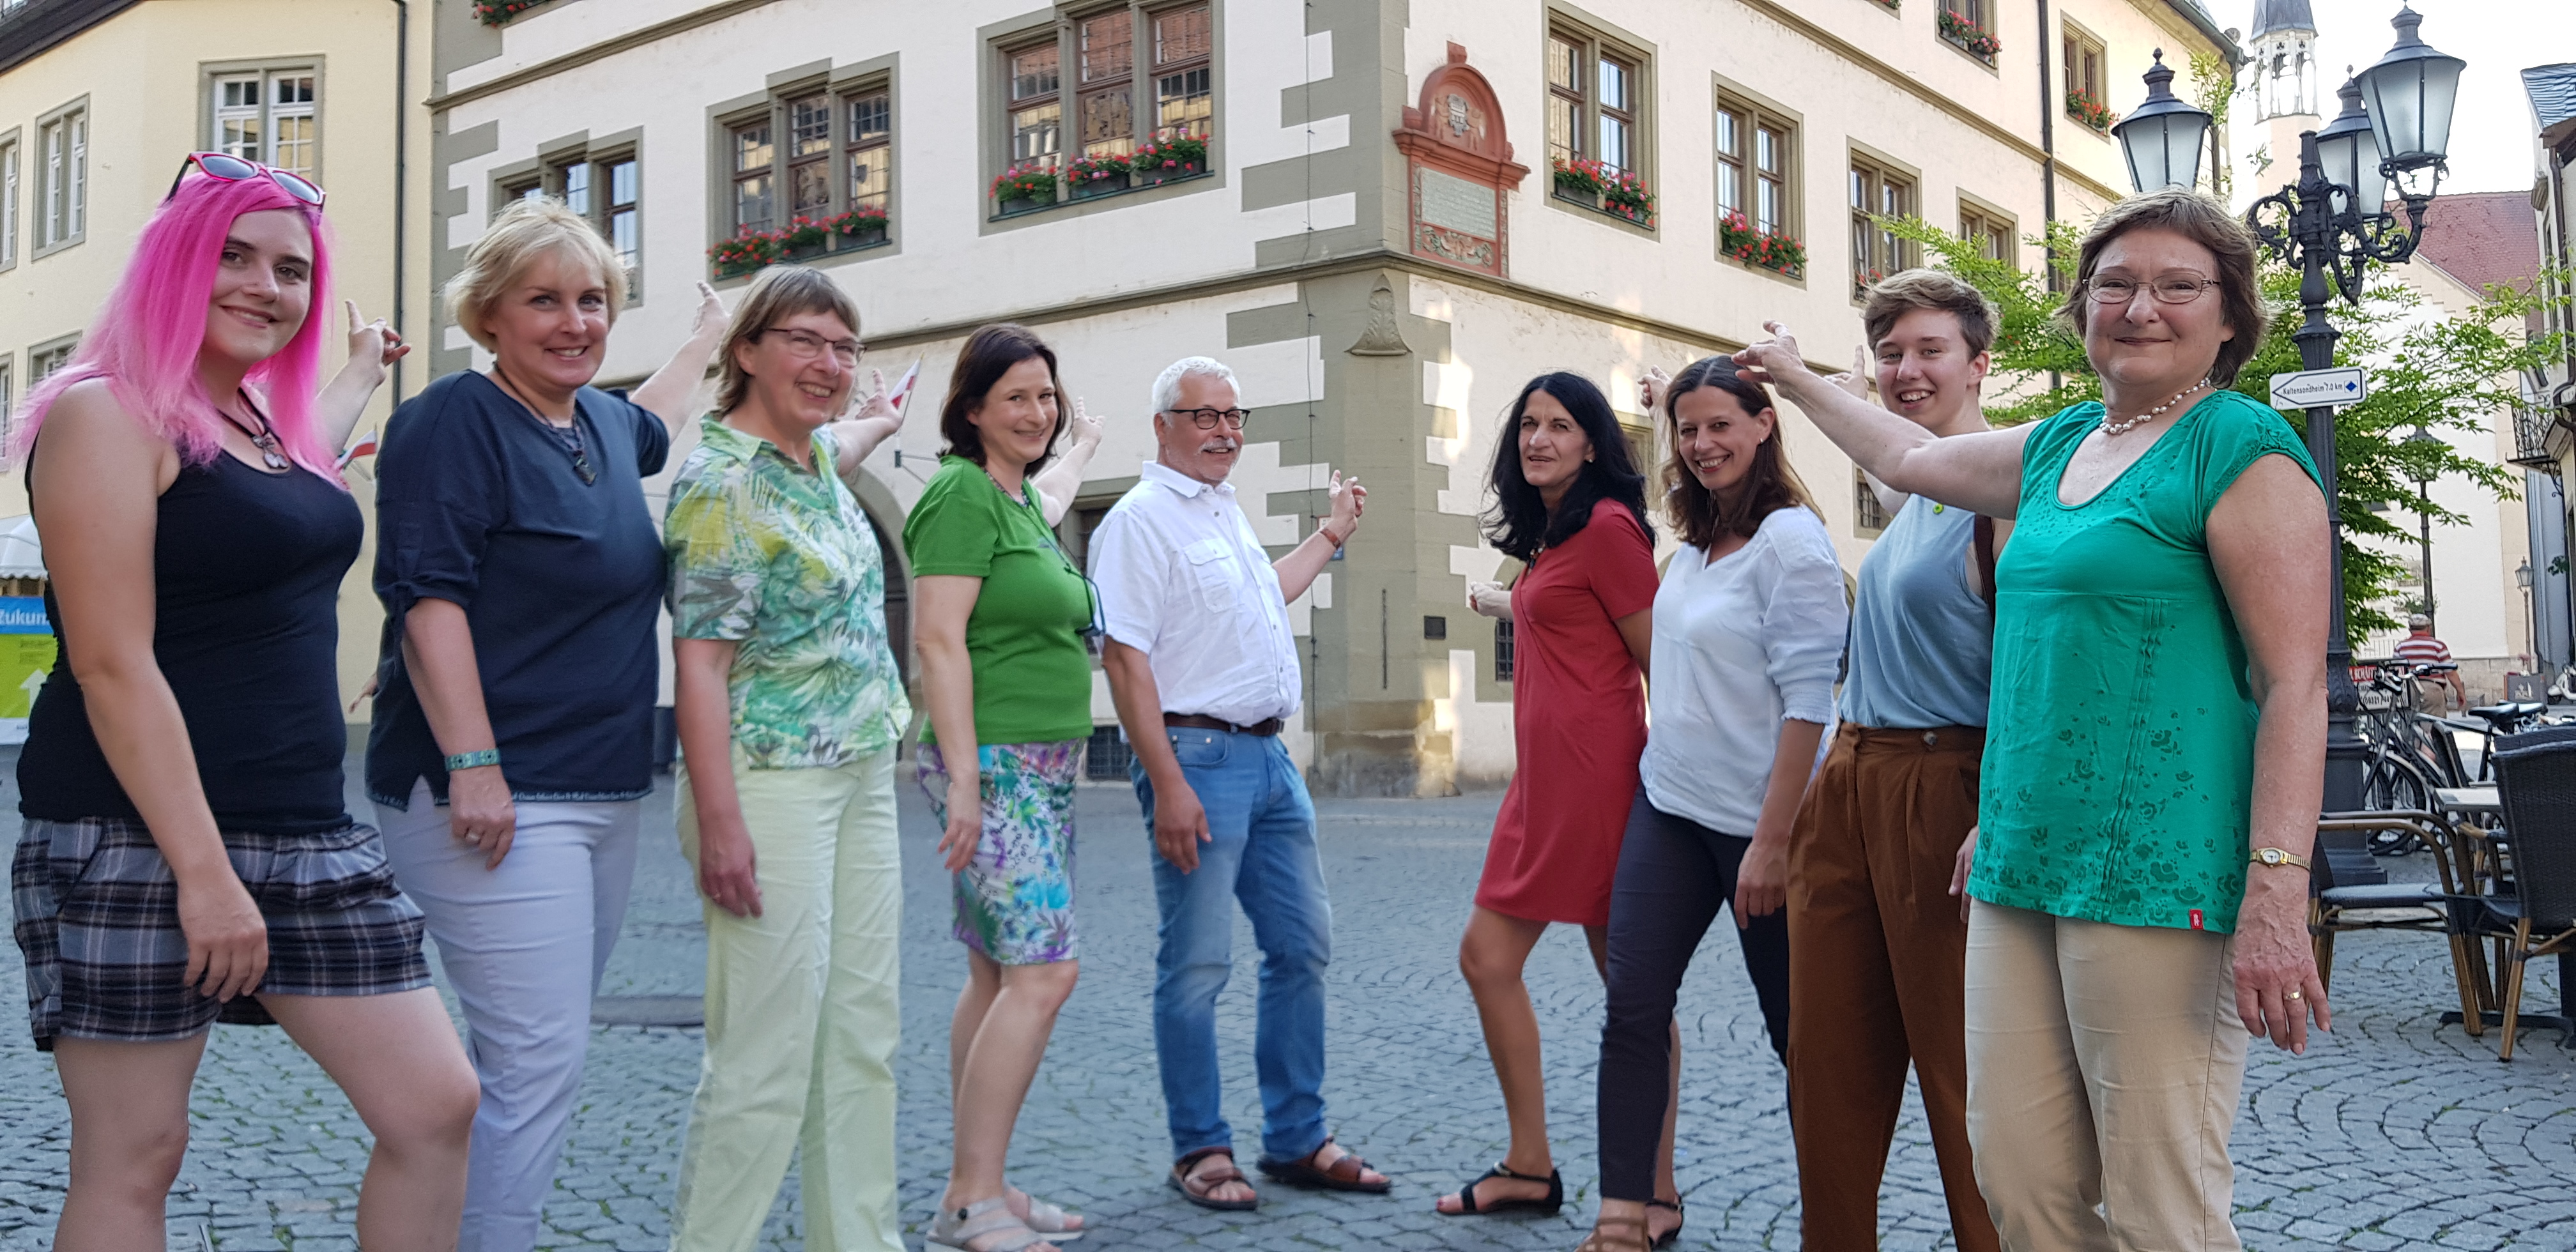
column 1183, row 580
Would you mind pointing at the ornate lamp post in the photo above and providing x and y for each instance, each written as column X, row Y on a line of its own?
column 2331, row 224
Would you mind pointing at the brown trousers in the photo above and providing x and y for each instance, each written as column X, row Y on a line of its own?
column 1878, row 975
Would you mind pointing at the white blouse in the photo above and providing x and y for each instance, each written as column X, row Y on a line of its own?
column 1741, row 645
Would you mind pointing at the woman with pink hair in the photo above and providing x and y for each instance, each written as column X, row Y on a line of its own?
column 187, row 856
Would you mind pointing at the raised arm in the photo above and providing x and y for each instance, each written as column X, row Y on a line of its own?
column 101, row 478
column 373, row 349
column 859, row 435
column 666, row 394
column 2267, row 543
column 1059, row 483
column 1979, row 472
column 1298, row 569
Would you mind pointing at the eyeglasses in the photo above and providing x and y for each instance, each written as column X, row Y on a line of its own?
column 805, row 346
column 226, row 168
column 2167, row 289
column 1206, row 419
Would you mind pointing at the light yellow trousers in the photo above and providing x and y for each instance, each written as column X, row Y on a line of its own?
column 802, row 1017
column 2104, row 1065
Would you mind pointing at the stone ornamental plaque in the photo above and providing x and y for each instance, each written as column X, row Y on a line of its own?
column 1453, row 203
column 1461, row 168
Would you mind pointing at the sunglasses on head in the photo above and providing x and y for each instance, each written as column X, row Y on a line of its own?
column 223, row 167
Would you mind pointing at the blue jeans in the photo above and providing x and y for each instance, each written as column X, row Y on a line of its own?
column 1263, row 854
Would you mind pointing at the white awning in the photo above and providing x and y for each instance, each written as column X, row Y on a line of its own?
column 21, row 554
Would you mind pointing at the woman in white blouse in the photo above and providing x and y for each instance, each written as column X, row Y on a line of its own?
column 1748, row 630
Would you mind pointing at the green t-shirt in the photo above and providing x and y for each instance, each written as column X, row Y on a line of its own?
column 1032, row 672
column 2119, row 764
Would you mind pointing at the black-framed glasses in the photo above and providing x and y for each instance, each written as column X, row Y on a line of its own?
column 806, row 345
column 2166, row 288
column 1206, row 419
column 225, row 167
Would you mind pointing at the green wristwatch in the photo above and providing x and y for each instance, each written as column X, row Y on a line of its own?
column 469, row 760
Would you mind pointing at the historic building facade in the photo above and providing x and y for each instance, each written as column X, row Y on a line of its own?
column 1386, row 214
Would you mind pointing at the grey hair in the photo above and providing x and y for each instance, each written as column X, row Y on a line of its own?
column 1167, row 386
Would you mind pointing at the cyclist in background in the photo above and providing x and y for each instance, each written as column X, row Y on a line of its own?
column 2421, row 648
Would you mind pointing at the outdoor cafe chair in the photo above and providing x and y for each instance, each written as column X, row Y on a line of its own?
column 2527, row 898
column 2335, row 907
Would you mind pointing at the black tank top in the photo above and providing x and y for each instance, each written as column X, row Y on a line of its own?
column 247, row 569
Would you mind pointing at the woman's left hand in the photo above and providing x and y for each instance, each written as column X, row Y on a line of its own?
column 878, row 404
column 373, row 341
column 1762, row 881
column 2277, row 987
column 710, row 316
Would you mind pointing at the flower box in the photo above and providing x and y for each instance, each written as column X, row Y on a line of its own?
column 2093, row 113
column 1168, row 160
column 1091, row 176
column 1970, row 37
column 499, row 12
column 1022, row 188
column 862, row 227
column 1107, row 184
column 1604, row 189
column 1770, row 250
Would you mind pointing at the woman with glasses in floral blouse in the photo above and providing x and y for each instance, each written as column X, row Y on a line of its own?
column 789, row 711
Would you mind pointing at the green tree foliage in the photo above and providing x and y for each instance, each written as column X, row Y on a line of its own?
column 2429, row 370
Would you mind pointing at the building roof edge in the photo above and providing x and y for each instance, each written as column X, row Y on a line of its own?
column 37, row 27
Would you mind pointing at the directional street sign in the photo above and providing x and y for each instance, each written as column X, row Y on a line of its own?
column 2319, row 388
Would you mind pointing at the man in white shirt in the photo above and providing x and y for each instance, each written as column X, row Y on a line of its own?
column 1205, row 674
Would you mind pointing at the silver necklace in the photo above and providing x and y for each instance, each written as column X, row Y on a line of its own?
column 2110, row 428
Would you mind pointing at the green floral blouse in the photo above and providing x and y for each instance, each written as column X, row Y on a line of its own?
column 781, row 561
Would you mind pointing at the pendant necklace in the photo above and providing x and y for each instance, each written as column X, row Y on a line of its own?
column 264, row 438
column 2111, row 428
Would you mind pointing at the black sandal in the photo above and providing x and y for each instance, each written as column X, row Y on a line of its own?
column 1674, row 1235
column 1548, row 1207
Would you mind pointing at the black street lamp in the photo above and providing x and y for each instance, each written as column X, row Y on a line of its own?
column 2332, row 223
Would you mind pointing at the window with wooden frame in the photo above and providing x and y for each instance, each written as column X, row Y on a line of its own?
column 9, row 201
column 2087, row 96
column 1878, row 191
column 1869, row 517
column 1120, row 78
column 1990, row 231
column 8, row 406
column 820, row 154
column 1756, row 185
column 45, row 358
column 62, row 178
column 1596, row 99
column 268, row 116
column 603, row 185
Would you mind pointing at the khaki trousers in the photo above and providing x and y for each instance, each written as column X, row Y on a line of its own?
column 2104, row 1064
column 802, row 1018
column 1877, row 958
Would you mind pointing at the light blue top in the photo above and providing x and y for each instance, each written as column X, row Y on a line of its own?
column 1922, row 640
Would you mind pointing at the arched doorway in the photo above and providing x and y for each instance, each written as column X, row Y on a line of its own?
column 898, row 599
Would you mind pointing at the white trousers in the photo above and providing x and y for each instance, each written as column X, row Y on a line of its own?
column 803, row 1016
column 2104, row 1065
column 523, row 945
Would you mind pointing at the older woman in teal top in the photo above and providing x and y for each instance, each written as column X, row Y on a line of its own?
column 2156, row 741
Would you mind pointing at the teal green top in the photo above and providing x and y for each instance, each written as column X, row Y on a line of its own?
column 1032, row 672
column 2119, row 766
column 780, row 560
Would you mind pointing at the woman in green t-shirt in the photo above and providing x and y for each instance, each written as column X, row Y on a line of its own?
column 2156, row 746
column 1000, row 618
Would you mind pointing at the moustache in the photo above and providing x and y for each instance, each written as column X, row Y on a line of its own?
column 1221, row 445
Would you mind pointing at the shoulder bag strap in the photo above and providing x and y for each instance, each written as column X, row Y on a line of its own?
column 1983, row 531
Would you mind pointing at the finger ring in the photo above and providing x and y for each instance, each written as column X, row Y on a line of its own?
column 2296, row 995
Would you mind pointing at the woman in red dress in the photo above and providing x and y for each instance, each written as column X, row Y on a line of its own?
column 1570, row 501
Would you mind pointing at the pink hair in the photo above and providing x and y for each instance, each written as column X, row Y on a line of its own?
column 148, row 335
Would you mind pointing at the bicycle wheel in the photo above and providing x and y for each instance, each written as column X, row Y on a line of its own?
column 2390, row 784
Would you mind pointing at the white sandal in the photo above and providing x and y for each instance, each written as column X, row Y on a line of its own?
column 959, row 1228
column 1049, row 1220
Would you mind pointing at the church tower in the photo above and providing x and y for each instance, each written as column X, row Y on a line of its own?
column 2281, row 57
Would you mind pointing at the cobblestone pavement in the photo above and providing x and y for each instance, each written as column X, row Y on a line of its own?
column 2393, row 1132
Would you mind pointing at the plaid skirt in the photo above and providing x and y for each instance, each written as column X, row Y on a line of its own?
column 98, row 921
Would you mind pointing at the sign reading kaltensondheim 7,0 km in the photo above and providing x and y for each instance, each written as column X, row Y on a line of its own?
column 2310, row 389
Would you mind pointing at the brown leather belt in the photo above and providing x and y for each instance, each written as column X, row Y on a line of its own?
column 1953, row 738
column 1201, row 721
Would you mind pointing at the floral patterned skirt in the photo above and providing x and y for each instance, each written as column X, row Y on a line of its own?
column 1015, row 898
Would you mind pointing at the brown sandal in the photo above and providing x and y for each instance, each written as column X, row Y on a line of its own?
column 1602, row 1240
column 1199, row 1189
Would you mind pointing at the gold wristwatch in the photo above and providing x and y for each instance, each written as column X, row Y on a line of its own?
column 2276, row 856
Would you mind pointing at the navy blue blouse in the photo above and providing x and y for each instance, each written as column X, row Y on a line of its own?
column 478, row 502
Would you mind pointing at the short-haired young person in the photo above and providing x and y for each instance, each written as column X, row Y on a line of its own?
column 187, row 855
column 513, row 735
column 1877, row 950
column 789, row 711
column 1204, row 672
